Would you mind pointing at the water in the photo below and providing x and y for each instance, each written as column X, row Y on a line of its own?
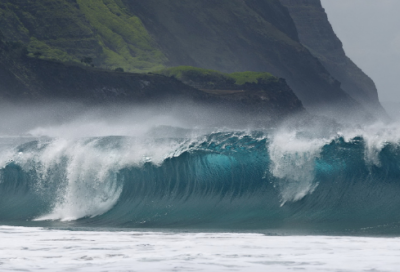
column 347, row 182
column 35, row 249
column 182, row 199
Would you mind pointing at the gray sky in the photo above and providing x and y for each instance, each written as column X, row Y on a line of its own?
column 370, row 32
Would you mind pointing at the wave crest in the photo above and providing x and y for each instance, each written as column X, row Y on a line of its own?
column 241, row 179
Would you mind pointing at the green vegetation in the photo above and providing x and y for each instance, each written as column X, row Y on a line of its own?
column 54, row 28
column 68, row 31
column 111, row 33
column 123, row 38
column 252, row 77
column 108, row 31
column 212, row 77
column 188, row 73
column 48, row 52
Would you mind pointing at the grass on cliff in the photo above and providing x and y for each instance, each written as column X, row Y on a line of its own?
column 67, row 31
column 23, row 20
column 48, row 52
column 125, row 41
column 188, row 73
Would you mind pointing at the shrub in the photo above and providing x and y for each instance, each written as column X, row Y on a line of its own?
column 87, row 60
column 212, row 77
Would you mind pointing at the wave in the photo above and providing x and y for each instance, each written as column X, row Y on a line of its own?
column 234, row 180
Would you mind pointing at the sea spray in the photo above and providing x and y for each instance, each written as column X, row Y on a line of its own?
column 223, row 179
column 293, row 163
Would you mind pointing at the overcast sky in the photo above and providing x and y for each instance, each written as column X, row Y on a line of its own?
column 370, row 32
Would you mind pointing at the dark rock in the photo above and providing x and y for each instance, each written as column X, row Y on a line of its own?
column 28, row 80
column 236, row 36
column 316, row 33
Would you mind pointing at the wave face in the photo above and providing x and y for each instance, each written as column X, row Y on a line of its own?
column 224, row 180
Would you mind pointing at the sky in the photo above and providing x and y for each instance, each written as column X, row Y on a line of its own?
column 370, row 32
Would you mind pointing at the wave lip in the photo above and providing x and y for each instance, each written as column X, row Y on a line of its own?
column 219, row 180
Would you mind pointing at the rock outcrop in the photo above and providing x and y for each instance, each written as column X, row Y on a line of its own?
column 29, row 80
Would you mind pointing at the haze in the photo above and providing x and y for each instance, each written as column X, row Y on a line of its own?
column 369, row 30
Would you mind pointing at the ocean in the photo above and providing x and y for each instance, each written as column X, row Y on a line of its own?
column 190, row 199
column 38, row 249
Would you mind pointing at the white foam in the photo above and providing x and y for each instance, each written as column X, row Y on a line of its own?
column 293, row 155
column 35, row 249
column 90, row 186
column 376, row 137
column 293, row 161
column 88, row 170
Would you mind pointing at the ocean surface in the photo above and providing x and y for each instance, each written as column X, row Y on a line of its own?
column 36, row 249
column 189, row 199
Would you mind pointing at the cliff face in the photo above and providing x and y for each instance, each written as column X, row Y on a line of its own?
column 68, row 30
column 316, row 33
column 26, row 79
column 246, row 88
column 224, row 35
column 30, row 79
column 236, row 36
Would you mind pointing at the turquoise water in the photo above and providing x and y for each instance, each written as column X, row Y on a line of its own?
column 286, row 181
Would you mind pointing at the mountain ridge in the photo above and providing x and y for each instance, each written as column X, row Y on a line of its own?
column 317, row 35
column 142, row 36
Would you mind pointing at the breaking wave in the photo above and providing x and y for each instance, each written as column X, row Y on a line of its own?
column 228, row 180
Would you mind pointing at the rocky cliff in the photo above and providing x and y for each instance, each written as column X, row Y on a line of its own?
column 142, row 36
column 316, row 33
column 68, row 30
column 242, row 88
column 24, row 79
column 236, row 36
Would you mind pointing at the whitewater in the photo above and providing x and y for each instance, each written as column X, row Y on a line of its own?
column 36, row 249
column 153, row 194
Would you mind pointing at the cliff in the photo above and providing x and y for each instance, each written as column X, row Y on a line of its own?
column 316, row 33
column 236, row 36
column 68, row 30
column 26, row 79
column 142, row 36
column 256, row 90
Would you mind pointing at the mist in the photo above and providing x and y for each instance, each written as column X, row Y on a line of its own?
column 371, row 38
column 74, row 120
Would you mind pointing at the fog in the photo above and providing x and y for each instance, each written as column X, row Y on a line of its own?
column 369, row 30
